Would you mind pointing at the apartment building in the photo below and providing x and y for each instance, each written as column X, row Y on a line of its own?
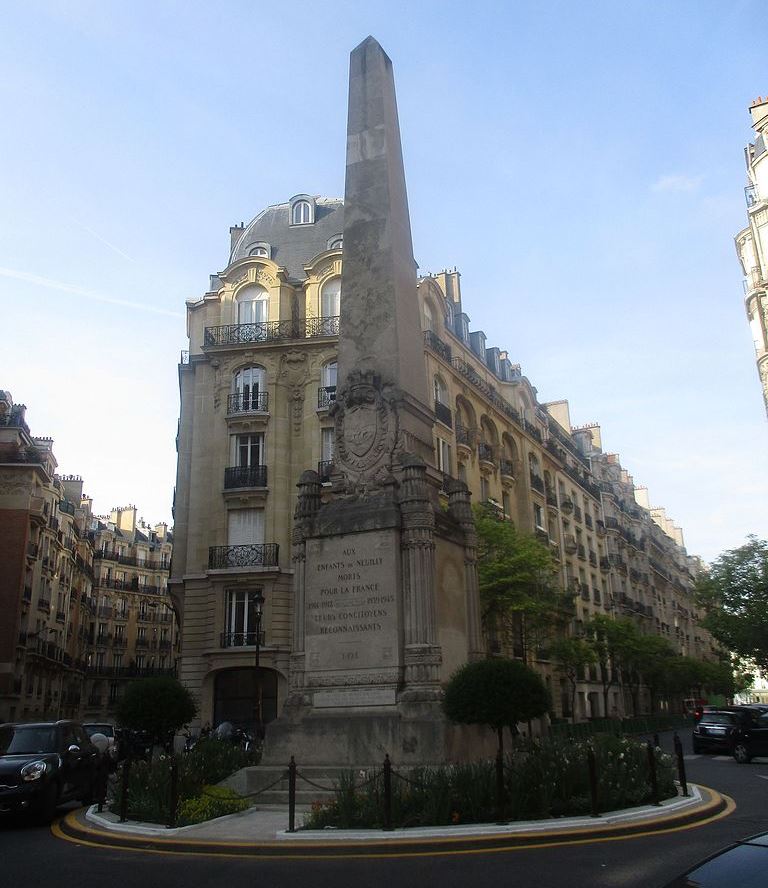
column 256, row 387
column 84, row 599
column 752, row 241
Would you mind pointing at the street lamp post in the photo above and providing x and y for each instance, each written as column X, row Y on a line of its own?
column 258, row 607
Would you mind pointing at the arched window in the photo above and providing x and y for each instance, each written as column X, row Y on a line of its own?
column 301, row 213
column 336, row 244
column 441, row 391
column 249, row 390
column 429, row 319
column 252, row 305
column 330, row 298
column 449, row 314
column 259, row 251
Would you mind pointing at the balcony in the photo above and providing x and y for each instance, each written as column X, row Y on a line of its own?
column 569, row 544
column 240, row 639
column 577, row 514
column 324, row 470
column 464, row 436
column 605, row 564
column 566, row 505
column 432, row 341
column 326, row 395
column 27, row 594
column 119, row 641
column 506, row 467
column 537, row 483
column 270, row 331
column 588, row 520
column 256, row 555
column 251, row 402
column 593, row 558
column 44, row 604
column 245, row 476
column 61, row 616
column 551, row 497
column 443, row 413
column 600, row 528
column 142, row 644
column 581, row 551
column 485, row 452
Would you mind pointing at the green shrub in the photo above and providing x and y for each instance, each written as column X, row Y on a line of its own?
column 149, row 784
column 542, row 778
column 215, row 801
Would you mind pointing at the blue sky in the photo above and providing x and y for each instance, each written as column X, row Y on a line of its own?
column 581, row 163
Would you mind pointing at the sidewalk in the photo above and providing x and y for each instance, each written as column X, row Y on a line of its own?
column 262, row 831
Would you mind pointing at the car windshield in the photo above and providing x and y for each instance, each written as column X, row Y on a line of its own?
column 106, row 730
column 23, row 739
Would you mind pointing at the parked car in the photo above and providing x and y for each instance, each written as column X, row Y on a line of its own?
column 108, row 730
column 751, row 737
column 44, row 764
column 744, row 864
column 719, row 729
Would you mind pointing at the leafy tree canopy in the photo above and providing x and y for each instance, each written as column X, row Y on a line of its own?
column 735, row 596
column 159, row 706
column 518, row 580
column 498, row 693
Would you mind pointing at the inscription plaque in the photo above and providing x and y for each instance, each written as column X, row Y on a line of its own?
column 351, row 602
column 354, row 697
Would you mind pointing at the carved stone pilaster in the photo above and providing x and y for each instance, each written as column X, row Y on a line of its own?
column 307, row 506
column 460, row 508
column 422, row 655
column 293, row 373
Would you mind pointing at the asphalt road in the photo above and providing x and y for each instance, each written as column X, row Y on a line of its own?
column 32, row 856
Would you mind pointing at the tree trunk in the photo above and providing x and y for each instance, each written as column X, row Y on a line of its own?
column 500, row 735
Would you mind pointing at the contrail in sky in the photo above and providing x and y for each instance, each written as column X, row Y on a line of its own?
column 103, row 240
column 51, row 284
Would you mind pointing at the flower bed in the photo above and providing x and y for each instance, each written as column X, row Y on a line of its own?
column 548, row 778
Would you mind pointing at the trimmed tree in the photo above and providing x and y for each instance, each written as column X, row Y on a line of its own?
column 498, row 693
column 159, row 706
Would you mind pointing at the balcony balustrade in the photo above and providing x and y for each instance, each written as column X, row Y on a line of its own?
column 245, row 476
column 577, row 514
column 256, row 555
column 465, row 436
column 241, row 639
column 252, row 402
column 551, row 497
column 566, row 505
column 485, row 452
column 506, row 467
column 432, row 341
column 581, row 552
column 588, row 521
column 537, row 483
column 270, row 331
column 593, row 558
column 324, row 470
column 326, row 395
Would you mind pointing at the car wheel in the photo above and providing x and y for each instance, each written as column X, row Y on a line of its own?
column 741, row 754
column 45, row 809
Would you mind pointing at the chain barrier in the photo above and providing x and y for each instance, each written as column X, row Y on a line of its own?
column 251, row 795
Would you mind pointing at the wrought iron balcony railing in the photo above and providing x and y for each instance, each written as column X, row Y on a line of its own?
column 270, row 331
column 245, row 476
column 537, row 483
column 326, row 395
column 437, row 345
column 485, row 452
column 464, row 435
column 255, row 555
column 241, row 639
column 324, row 469
column 252, row 402
column 506, row 467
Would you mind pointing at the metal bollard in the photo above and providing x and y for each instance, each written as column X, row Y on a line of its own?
column 387, row 793
column 500, row 788
column 680, row 765
column 292, row 795
column 592, row 762
column 652, row 773
column 174, row 800
column 124, row 792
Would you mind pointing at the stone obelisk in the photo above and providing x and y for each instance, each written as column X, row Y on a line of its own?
column 381, row 345
column 366, row 661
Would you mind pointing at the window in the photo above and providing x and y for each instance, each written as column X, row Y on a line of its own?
column 330, row 375
column 429, row 320
column 141, row 633
column 328, row 444
column 301, row 213
column 336, row 244
column 252, row 305
column 441, row 392
column 119, row 632
column 117, row 661
column 245, row 527
column 243, row 616
column 250, row 393
column 261, row 251
column 538, row 517
column 140, row 661
column 449, row 314
column 505, row 504
column 330, row 298
column 249, row 450
column 484, row 489
column 444, row 456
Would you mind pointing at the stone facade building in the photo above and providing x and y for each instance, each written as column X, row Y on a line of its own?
column 256, row 388
column 752, row 241
column 83, row 599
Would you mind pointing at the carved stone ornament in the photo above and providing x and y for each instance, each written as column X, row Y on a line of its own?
column 263, row 277
column 293, row 373
column 366, row 424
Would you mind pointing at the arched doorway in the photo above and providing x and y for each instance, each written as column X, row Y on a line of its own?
column 235, row 694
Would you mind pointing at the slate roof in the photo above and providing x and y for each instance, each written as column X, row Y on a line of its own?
column 293, row 246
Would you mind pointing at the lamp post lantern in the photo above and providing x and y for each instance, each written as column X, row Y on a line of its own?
column 258, row 604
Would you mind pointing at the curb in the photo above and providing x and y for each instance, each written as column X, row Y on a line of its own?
column 81, row 828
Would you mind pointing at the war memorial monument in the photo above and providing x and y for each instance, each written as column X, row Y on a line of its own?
column 385, row 584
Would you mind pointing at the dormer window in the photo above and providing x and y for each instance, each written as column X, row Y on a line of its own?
column 262, row 251
column 336, row 243
column 301, row 213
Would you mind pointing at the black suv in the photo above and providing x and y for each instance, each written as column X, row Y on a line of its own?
column 45, row 764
